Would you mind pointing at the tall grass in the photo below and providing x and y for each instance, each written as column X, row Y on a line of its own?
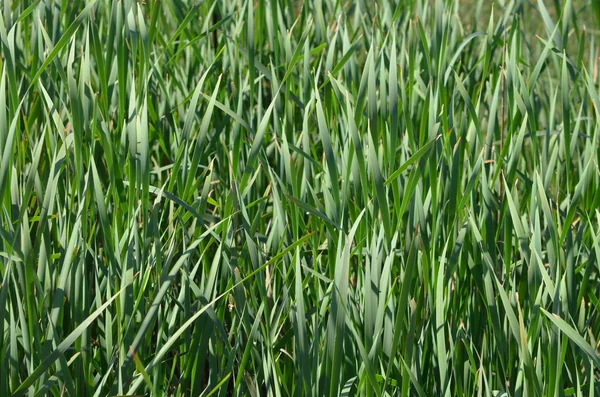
column 282, row 198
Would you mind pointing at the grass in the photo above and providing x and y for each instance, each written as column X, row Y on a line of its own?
column 284, row 198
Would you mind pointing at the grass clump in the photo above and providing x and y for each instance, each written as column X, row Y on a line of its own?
column 274, row 198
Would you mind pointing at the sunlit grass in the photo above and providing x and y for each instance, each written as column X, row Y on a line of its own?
column 271, row 198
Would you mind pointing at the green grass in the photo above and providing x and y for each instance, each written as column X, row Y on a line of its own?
column 283, row 198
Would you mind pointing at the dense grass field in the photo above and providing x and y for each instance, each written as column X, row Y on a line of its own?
column 278, row 198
